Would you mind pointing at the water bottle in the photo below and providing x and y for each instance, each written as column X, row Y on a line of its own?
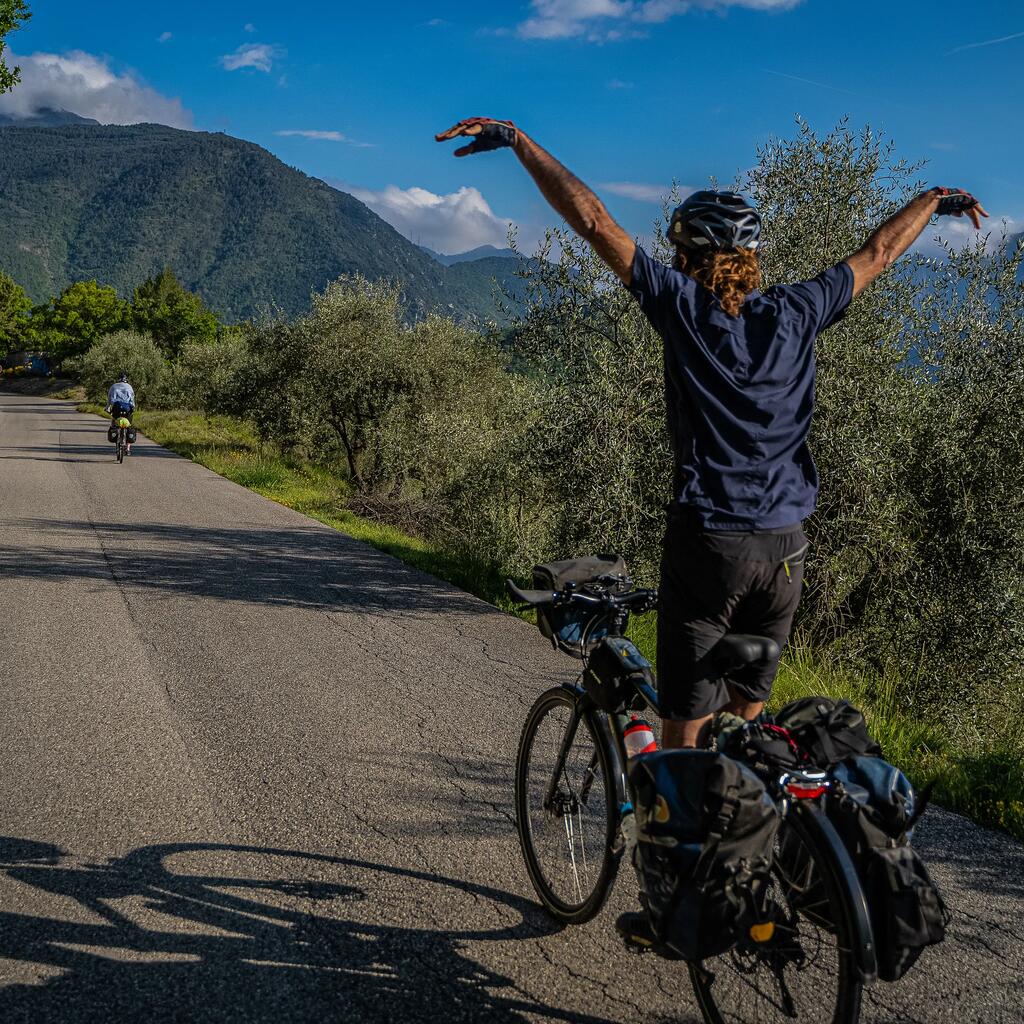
column 638, row 737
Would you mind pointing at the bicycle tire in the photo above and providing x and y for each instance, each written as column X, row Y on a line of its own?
column 530, row 813
column 807, row 825
column 120, row 450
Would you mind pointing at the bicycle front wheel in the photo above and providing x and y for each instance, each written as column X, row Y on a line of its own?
column 808, row 970
column 566, row 808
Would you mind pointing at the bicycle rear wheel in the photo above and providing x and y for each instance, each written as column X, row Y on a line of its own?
column 566, row 807
column 120, row 446
column 808, row 971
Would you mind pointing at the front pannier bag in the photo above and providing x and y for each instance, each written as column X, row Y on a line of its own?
column 705, row 833
column 613, row 666
column 572, row 628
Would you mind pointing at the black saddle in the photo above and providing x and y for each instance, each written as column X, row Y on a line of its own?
column 740, row 650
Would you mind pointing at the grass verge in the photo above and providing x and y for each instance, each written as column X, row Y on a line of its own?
column 981, row 779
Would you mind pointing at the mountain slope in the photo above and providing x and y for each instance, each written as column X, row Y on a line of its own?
column 479, row 253
column 234, row 223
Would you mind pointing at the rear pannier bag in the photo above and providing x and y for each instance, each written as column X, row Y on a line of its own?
column 614, row 666
column 112, row 435
column 572, row 629
column 827, row 730
column 132, row 435
column 706, row 829
column 873, row 807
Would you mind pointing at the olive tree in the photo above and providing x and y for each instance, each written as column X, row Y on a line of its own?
column 123, row 352
column 399, row 406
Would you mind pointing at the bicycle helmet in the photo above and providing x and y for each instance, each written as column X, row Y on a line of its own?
column 122, row 378
column 715, row 220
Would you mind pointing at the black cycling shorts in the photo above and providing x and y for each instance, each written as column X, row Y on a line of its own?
column 715, row 582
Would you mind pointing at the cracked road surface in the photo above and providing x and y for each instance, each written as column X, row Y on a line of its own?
column 252, row 770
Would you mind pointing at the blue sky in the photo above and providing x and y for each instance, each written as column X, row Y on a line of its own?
column 631, row 94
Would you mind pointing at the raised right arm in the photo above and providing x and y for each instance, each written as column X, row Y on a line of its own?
column 577, row 204
column 580, row 207
column 889, row 242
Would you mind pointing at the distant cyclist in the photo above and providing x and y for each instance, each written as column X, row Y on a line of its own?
column 739, row 370
column 121, row 401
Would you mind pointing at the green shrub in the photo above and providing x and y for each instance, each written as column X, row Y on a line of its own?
column 202, row 375
column 127, row 352
column 401, row 408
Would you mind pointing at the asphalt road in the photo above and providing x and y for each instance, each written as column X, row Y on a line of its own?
column 252, row 770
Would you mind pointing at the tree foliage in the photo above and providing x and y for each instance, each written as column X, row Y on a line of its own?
column 171, row 315
column 400, row 407
column 69, row 324
column 123, row 351
column 203, row 374
column 13, row 14
column 14, row 308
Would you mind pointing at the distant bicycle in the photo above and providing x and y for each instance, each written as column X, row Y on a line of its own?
column 812, row 954
column 122, row 442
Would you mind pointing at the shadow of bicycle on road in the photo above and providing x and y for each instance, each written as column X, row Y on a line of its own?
column 236, row 933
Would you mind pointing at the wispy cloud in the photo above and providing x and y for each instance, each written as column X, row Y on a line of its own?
column 258, row 56
column 323, row 136
column 809, row 81
column 611, row 20
column 164, row 37
column 985, row 42
column 618, row 83
column 249, row 27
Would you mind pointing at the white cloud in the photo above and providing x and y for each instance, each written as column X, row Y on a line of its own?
column 959, row 232
column 164, row 37
column 259, row 56
column 618, row 83
column 323, row 136
column 594, row 19
column 85, row 84
column 250, row 27
column 450, row 223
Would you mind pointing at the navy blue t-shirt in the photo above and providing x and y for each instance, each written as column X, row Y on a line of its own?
column 740, row 391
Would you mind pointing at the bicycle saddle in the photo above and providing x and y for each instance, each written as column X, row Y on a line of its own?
column 737, row 650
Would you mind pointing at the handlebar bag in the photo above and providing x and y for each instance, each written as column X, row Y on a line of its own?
column 828, row 730
column 573, row 629
column 874, row 808
column 706, row 830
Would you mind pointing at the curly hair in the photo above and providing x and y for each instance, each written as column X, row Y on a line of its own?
column 732, row 274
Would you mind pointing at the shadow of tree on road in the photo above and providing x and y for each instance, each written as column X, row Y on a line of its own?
column 295, row 566
column 144, row 943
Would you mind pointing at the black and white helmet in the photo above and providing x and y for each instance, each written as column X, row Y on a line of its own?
column 715, row 220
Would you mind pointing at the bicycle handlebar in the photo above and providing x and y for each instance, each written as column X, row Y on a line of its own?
column 636, row 600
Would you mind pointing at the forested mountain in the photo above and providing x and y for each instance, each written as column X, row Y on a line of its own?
column 237, row 226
